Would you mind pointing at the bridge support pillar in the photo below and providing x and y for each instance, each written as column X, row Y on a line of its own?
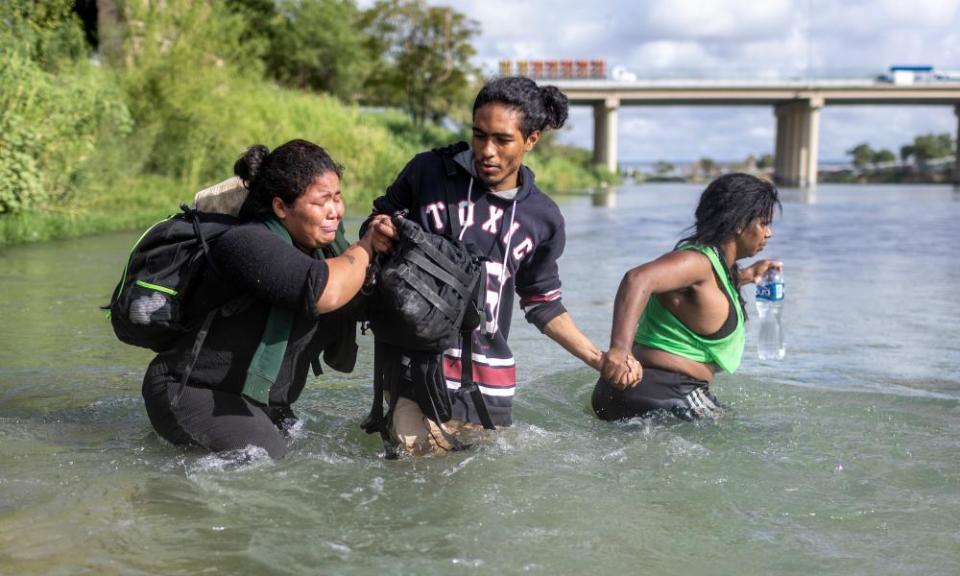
column 797, row 142
column 956, row 161
column 605, row 133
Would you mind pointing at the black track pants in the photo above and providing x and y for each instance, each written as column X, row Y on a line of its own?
column 658, row 390
column 213, row 419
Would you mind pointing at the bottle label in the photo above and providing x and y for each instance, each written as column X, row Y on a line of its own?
column 772, row 292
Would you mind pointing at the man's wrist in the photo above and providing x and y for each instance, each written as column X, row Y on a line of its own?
column 366, row 245
column 596, row 359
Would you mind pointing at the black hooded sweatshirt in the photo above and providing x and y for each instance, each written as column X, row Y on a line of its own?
column 438, row 184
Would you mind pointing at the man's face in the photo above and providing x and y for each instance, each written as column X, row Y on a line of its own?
column 498, row 145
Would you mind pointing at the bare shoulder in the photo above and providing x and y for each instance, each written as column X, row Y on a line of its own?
column 689, row 261
column 676, row 270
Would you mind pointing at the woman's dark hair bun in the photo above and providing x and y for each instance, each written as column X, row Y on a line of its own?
column 249, row 164
column 556, row 105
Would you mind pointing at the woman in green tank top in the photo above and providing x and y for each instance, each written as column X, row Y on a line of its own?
column 680, row 318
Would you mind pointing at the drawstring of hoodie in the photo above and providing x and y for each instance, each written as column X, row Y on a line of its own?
column 506, row 261
column 506, row 255
column 469, row 208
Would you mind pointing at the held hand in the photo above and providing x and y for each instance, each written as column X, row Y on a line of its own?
column 621, row 369
column 633, row 376
column 381, row 233
column 755, row 271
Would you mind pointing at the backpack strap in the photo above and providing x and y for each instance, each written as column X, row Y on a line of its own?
column 386, row 361
column 387, row 368
column 268, row 358
column 194, row 353
column 194, row 217
column 445, row 269
column 467, row 385
column 201, row 336
column 421, row 287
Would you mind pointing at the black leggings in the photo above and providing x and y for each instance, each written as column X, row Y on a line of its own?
column 659, row 390
column 214, row 419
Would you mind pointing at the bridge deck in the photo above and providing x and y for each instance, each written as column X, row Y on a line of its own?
column 757, row 92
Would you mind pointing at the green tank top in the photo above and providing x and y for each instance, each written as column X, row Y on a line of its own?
column 661, row 329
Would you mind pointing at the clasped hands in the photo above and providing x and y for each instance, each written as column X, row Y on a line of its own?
column 382, row 233
column 621, row 368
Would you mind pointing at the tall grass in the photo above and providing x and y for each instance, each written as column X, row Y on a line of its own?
column 87, row 148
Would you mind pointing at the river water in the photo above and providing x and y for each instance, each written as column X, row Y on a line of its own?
column 843, row 458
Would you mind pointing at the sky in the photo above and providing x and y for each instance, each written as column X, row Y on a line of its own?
column 738, row 39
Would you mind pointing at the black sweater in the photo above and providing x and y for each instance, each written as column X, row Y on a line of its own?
column 432, row 186
column 259, row 270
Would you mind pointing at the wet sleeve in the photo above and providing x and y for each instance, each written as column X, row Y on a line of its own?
column 270, row 269
column 538, row 278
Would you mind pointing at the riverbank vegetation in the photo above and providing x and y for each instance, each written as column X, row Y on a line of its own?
column 702, row 170
column 929, row 158
column 113, row 112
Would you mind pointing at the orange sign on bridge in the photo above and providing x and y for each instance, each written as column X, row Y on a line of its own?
column 555, row 69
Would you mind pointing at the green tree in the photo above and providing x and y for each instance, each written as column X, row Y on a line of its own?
column 862, row 155
column 928, row 147
column 906, row 151
column 262, row 18
column 55, row 107
column 183, row 59
column 708, row 166
column 261, row 12
column 662, row 167
column 47, row 33
column 765, row 161
column 320, row 45
column 426, row 66
column 883, row 155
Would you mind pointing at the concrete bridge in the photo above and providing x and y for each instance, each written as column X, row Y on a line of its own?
column 796, row 105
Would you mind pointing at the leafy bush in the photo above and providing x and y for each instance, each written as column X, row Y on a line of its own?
column 405, row 131
column 320, row 45
column 178, row 104
column 181, row 60
column 565, row 168
column 46, row 33
column 196, row 92
column 49, row 128
column 267, row 114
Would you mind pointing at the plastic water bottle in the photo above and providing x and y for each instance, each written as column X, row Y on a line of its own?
column 769, row 305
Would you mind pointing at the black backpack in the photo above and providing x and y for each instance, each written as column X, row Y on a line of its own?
column 427, row 293
column 426, row 290
column 148, row 306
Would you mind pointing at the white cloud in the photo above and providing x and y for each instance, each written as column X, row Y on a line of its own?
column 639, row 126
column 730, row 20
column 683, row 55
column 732, row 38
